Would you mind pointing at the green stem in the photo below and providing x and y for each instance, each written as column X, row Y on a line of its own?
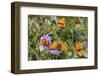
column 72, row 45
column 56, row 35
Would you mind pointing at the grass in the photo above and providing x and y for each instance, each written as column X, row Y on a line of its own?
column 67, row 37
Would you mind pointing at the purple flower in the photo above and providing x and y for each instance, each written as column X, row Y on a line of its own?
column 45, row 40
column 55, row 52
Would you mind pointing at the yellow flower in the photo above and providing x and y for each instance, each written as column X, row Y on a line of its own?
column 79, row 46
column 59, row 45
column 81, row 53
column 80, row 49
column 61, row 22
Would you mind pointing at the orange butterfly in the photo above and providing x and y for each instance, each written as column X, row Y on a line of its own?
column 61, row 22
column 58, row 46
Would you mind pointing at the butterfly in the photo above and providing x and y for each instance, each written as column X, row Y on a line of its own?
column 58, row 46
column 61, row 22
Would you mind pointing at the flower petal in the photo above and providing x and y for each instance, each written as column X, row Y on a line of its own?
column 55, row 52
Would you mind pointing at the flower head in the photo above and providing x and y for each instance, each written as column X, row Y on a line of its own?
column 81, row 53
column 45, row 40
column 80, row 50
column 79, row 46
column 55, row 52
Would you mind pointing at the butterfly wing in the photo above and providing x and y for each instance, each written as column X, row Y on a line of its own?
column 53, row 45
column 61, row 22
column 59, row 46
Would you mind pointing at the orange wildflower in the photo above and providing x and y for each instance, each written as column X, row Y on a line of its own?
column 80, row 49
